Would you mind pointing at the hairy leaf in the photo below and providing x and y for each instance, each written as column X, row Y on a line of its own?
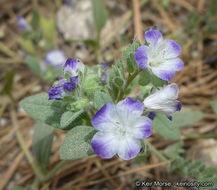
column 101, row 98
column 144, row 77
column 76, row 144
column 44, row 110
column 186, row 117
column 164, row 127
column 68, row 117
column 33, row 64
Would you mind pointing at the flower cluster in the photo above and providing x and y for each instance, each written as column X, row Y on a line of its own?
column 66, row 85
column 122, row 126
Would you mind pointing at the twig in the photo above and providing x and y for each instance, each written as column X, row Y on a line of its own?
column 23, row 146
column 137, row 21
column 196, row 136
column 124, row 174
column 11, row 170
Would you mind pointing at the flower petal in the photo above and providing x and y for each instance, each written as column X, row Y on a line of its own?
column 104, row 145
column 164, row 100
column 163, row 74
column 142, row 128
column 130, row 107
column 105, row 117
column 171, row 65
column 153, row 37
column 172, row 49
column 141, row 57
column 128, row 148
column 55, row 57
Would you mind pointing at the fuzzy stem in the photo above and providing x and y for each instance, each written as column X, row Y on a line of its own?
column 157, row 152
column 196, row 136
column 56, row 168
column 129, row 80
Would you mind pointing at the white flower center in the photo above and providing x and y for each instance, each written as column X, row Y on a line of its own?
column 121, row 130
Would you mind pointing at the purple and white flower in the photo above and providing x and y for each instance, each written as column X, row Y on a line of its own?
column 56, row 92
column 73, row 67
column 160, row 56
column 120, row 129
column 63, row 88
column 22, row 24
column 164, row 100
column 55, row 58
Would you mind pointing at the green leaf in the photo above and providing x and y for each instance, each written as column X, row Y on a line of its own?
column 101, row 98
column 174, row 150
column 128, row 55
column 27, row 45
column 44, row 110
column 165, row 127
column 214, row 106
column 33, row 64
column 48, row 27
column 100, row 14
column 35, row 18
column 157, row 81
column 186, row 117
column 9, row 78
column 19, row 188
column 68, row 117
column 42, row 143
column 144, row 77
column 76, row 144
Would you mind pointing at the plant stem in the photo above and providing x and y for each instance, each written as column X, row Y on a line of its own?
column 196, row 136
column 129, row 80
column 56, row 168
column 157, row 152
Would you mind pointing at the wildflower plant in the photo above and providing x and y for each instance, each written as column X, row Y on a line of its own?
column 100, row 105
column 102, row 114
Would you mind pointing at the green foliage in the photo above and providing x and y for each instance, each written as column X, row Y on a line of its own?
column 35, row 18
column 9, row 78
column 144, row 77
column 162, row 125
column 157, row 82
column 116, row 81
column 33, row 64
column 77, row 143
column 48, row 28
column 41, row 109
column 91, row 83
column 174, row 150
column 214, row 106
column 27, row 45
column 186, row 117
column 100, row 14
column 101, row 98
column 42, row 143
column 128, row 56
column 195, row 170
column 68, row 117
